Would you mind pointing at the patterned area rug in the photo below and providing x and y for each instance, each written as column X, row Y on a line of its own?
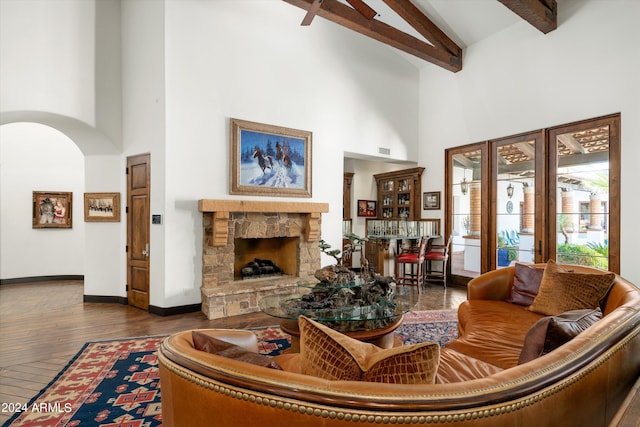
column 116, row 383
column 109, row 383
column 439, row 326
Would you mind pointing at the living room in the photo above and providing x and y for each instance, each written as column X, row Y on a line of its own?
column 411, row 111
column 111, row 79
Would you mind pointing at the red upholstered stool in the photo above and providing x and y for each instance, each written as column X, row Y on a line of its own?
column 410, row 264
column 437, row 253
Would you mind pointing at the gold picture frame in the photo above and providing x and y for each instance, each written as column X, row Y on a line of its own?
column 52, row 209
column 269, row 160
column 102, row 207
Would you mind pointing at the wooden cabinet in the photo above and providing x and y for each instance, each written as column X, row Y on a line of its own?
column 399, row 194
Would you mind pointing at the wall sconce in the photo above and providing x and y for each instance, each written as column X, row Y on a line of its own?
column 510, row 190
column 464, row 186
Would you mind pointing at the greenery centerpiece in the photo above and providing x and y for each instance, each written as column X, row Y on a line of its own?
column 344, row 299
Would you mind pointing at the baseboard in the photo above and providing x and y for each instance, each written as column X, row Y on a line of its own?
column 159, row 311
column 35, row 279
column 106, row 299
column 170, row 311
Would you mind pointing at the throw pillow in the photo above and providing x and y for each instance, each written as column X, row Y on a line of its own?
column 204, row 342
column 331, row 355
column 551, row 332
column 526, row 282
column 562, row 290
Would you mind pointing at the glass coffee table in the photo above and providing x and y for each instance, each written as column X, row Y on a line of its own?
column 373, row 322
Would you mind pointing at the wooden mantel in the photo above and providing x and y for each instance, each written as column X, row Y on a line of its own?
column 222, row 208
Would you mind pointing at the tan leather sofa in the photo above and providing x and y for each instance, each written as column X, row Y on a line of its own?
column 479, row 383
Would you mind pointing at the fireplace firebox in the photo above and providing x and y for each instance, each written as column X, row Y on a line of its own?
column 280, row 252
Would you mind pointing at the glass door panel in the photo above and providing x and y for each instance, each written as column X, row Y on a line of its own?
column 514, row 185
column 388, row 206
column 465, row 201
column 585, row 157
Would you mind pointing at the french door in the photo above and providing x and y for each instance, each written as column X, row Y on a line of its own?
column 466, row 183
column 584, row 193
column 517, row 214
column 548, row 194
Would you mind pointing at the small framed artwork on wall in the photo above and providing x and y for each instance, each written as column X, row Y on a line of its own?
column 51, row 209
column 431, row 200
column 102, row 207
column 367, row 208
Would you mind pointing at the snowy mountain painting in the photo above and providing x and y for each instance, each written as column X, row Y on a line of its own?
column 274, row 161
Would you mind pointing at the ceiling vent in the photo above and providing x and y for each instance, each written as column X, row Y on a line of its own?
column 383, row 150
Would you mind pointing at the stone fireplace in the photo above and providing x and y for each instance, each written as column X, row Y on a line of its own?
column 236, row 231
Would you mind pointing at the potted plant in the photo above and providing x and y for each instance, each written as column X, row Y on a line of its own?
column 506, row 252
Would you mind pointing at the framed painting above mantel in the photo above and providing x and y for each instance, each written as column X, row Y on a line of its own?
column 269, row 160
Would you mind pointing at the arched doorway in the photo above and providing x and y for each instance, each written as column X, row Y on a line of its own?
column 36, row 157
column 103, row 244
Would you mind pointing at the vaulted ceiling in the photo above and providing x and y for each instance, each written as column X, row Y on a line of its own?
column 417, row 26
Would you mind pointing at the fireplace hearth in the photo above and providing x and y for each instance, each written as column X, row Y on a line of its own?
column 237, row 232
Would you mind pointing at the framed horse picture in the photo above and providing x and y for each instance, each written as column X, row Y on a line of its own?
column 51, row 209
column 269, row 160
column 102, row 207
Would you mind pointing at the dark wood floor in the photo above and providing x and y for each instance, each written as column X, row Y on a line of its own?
column 43, row 325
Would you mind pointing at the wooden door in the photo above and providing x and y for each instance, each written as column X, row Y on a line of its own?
column 138, row 218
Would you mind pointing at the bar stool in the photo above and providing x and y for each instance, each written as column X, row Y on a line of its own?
column 414, row 258
column 438, row 253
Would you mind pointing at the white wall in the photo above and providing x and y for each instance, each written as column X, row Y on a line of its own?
column 521, row 80
column 104, row 245
column 48, row 57
column 252, row 60
column 144, row 123
column 35, row 157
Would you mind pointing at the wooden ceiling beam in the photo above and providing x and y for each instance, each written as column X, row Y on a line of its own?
column 363, row 8
column 542, row 14
column 344, row 15
column 311, row 12
column 423, row 25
